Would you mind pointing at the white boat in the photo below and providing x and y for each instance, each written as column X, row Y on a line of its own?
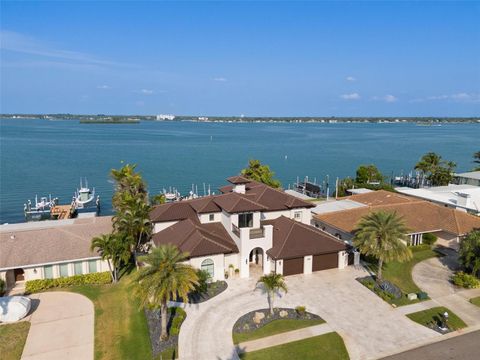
column 171, row 195
column 84, row 199
column 41, row 210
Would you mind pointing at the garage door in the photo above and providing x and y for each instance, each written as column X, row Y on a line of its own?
column 325, row 261
column 293, row 266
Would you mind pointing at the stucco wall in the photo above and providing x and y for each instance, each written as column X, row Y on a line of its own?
column 219, row 265
column 159, row 226
column 205, row 218
column 332, row 230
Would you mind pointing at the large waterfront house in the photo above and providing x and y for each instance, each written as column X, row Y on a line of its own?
column 50, row 249
column 341, row 217
column 250, row 227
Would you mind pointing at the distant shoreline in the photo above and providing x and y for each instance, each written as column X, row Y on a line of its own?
column 135, row 119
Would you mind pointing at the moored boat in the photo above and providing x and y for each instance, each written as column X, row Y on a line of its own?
column 41, row 210
column 84, row 199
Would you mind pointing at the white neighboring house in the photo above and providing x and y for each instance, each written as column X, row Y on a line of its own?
column 467, row 178
column 250, row 227
column 460, row 197
column 50, row 249
column 165, row 117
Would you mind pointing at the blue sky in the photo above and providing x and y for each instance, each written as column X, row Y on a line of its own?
column 232, row 58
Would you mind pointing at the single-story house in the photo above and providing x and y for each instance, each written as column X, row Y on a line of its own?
column 420, row 216
column 50, row 249
column 250, row 227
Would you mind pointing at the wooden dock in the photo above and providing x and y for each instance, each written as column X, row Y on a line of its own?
column 61, row 212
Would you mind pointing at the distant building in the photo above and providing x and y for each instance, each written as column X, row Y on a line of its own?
column 202, row 118
column 468, row 178
column 165, row 117
column 459, row 197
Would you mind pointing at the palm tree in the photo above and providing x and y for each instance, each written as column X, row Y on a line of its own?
column 128, row 185
column 469, row 252
column 165, row 278
column 114, row 249
column 272, row 284
column 383, row 236
column 134, row 221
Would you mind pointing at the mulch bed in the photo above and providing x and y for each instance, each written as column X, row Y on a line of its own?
column 213, row 289
column 246, row 323
column 154, row 329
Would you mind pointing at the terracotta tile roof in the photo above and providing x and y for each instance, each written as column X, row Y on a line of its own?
column 238, row 180
column 51, row 244
column 205, row 205
column 235, row 203
column 197, row 239
column 173, row 211
column 380, row 197
column 293, row 239
column 419, row 216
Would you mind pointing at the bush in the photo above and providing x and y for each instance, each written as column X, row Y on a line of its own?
column 2, row 287
column 422, row 295
column 301, row 310
column 203, row 279
column 465, row 280
column 179, row 315
column 33, row 286
column 429, row 239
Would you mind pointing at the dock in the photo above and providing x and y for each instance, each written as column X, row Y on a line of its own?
column 61, row 212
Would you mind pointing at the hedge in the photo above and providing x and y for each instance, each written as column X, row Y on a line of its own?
column 179, row 315
column 465, row 280
column 100, row 278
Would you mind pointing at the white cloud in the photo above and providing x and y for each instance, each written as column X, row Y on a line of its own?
column 220, row 79
column 145, row 92
column 387, row 98
column 458, row 97
column 103, row 87
column 350, row 78
column 20, row 43
column 352, row 96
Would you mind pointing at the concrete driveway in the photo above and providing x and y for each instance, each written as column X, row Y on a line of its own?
column 62, row 327
column 370, row 327
column 433, row 276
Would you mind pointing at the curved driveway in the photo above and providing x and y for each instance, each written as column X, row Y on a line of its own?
column 433, row 276
column 369, row 326
column 61, row 327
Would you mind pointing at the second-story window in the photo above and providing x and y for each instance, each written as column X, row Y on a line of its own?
column 245, row 220
column 211, row 217
column 297, row 215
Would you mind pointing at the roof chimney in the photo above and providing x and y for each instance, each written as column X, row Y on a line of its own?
column 239, row 188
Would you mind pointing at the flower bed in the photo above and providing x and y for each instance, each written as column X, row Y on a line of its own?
column 176, row 316
column 213, row 289
column 247, row 322
column 101, row 278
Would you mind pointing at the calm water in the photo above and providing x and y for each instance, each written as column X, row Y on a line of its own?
column 43, row 157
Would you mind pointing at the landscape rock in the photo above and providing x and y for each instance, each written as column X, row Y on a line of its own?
column 283, row 313
column 258, row 317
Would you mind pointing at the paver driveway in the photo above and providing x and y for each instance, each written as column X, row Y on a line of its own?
column 433, row 276
column 369, row 326
column 61, row 328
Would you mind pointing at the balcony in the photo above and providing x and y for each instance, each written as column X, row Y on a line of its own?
column 252, row 233
column 235, row 230
column 257, row 233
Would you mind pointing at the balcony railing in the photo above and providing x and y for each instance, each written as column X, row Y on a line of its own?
column 235, row 230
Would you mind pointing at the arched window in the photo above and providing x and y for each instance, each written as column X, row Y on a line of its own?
column 208, row 266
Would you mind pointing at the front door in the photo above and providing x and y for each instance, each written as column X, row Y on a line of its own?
column 19, row 274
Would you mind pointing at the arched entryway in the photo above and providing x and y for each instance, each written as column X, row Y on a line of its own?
column 19, row 274
column 255, row 262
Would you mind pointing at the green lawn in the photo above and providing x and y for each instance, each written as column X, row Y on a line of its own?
column 12, row 340
column 432, row 315
column 475, row 301
column 325, row 347
column 274, row 327
column 121, row 330
column 400, row 273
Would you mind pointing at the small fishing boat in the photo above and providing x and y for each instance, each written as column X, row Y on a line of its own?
column 84, row 199
column 171, row 195
column 41, row 210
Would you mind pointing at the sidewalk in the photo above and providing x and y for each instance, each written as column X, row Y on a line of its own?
column 283, row 338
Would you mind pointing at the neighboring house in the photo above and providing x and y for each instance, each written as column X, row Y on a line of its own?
column 250, row 227
column 340, row 218
column 460, row 197
column 50, row 249
column 468, row 178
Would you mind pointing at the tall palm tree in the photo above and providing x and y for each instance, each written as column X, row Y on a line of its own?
column 114, row 249
column 134, row 221
column 165, row 278
column 272, row 283
column 383, row 236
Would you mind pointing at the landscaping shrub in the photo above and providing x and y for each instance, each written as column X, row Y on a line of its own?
column 203, row 280
column 179, row 315
column 33, row 286
column 422, row 295
column 429, row 239
column 465, row 280
column 301, row 309
column 2, row 287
